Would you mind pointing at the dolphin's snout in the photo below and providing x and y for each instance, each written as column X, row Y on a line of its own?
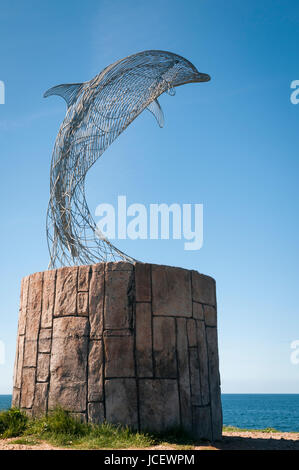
column 204, row 77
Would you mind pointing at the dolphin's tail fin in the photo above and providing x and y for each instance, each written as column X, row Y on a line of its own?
column 69, row 92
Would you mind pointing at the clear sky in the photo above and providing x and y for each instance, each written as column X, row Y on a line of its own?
column 230, row 144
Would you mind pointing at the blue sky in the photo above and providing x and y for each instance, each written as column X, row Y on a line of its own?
column 230, row 144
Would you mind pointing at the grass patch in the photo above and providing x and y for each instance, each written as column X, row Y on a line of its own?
column 235, row 429
column 13, row 423
column 27, row 441
column 61, row 429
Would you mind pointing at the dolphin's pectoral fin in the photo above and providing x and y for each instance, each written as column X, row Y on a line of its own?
column 155, row 108
column 69, row 92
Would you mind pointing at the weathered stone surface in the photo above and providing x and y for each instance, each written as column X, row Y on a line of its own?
column 159, row 404
column 203, row 288
column 121, row 402
column 191, row 330
column 203, row 362
column 82, row 303
column 34, row 306
column 117, row 310
column 45, row 339
column 79, row 417
column 43, row 368
column 119, row 266
column 164, row 347
column 184, row 375
column 210, row 315
column 68, row 383
column 95, row 371
column 96, row 300
column 143, row 282
column 40, row 399
column 202, row 428
column 48, row 298
column 15, row 402
column 96, row 413
column 195, row 377
column 19, row 362
column 23, row 305
column 144, row 350
column 214, row 377
column 83, row 278
column 66, row 291
column 171, row 289
column 30, row 353
column 198, row 311
column 119, row 356
column 122, row 332
column 28, row 387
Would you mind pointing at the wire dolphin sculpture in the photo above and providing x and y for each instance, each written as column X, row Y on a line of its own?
column 98, row 111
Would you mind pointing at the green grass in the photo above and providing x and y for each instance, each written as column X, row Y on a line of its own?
column 12, row 423
column 235, row 429
column 61, row 429
column 28, row 441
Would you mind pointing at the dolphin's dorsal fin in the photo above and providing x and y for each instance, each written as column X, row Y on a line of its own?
column 155, row 108
column 69, row 92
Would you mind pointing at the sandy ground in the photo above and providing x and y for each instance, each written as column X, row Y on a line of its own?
column 231, row 441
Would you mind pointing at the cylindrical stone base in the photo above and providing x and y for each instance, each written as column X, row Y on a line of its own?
column 130, row 344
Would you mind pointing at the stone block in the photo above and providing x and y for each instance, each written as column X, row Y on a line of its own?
column 81, row 417
column 28, row 387
column 66, row 291
column 184, row 374
column 95, row 371
column 119, row 266
column 82, row 303
column 40, row 399
column 68, row 382
column 121, row 402
column 164, row 343
column 96, row 413
column 171, row 288
column 191, row 330
column 30, row 353
column 44, row 341
column 143, row 282
column 34, row 306
column 23, row 305
column 144, row 350
column 83, row 278
column 203, row 288
column 214, row 377
column 210, row 315
column 19, row 362
column 203, row 362
column 159, row 404
column 202, row 428
column 119, row 356
column 96, row 300
column 48, row 298
column 198, row 311
column 43, row 368
column 16, row 395
column 118, row 308
column 195, row 377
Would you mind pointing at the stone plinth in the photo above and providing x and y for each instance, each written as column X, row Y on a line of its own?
column 130, row 344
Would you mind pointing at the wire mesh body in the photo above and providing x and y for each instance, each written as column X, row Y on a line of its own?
column 98, row 112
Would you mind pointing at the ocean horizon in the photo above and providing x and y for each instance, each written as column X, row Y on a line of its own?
column 247, row 410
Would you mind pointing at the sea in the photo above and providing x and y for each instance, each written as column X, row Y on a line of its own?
column 248, row 411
